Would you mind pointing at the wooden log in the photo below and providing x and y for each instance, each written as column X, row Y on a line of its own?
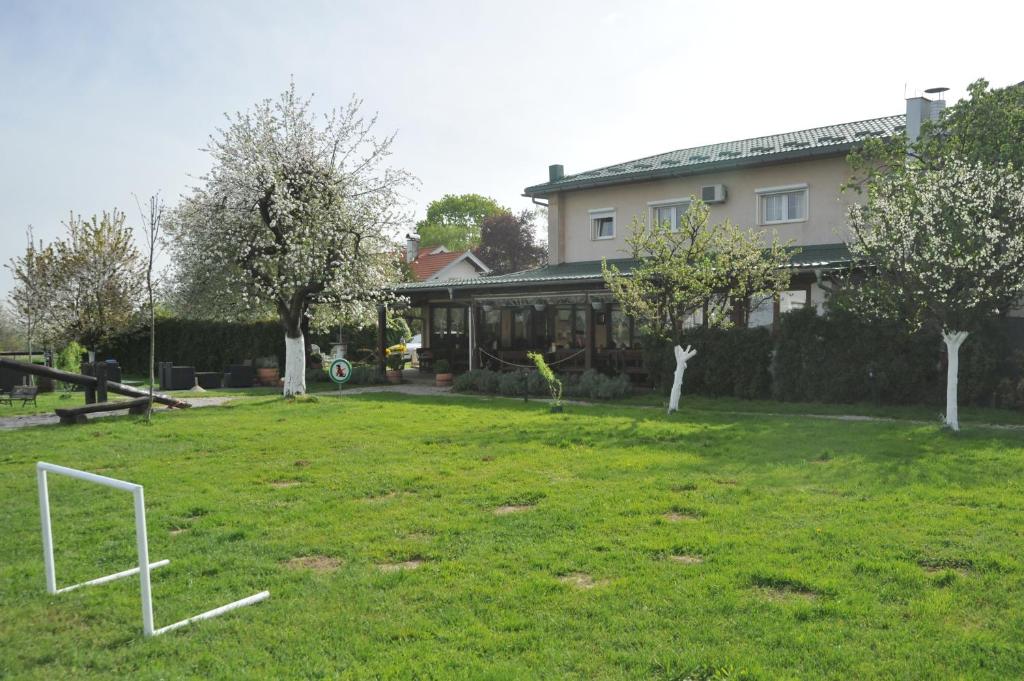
column 77, row 414
column 90, row 381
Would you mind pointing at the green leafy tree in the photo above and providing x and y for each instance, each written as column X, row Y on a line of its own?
column 692, row 269
column 94, row 278
column 454, row 221
column 987, row 128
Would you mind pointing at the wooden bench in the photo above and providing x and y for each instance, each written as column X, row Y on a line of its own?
column 25, row 393
column 77, row 414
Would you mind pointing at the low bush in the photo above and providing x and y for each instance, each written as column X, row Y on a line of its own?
column 591, row 384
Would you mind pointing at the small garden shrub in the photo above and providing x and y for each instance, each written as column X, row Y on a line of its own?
column 590, row 385
column 364, row 374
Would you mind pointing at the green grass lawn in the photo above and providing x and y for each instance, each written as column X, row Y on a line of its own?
column 632, row 545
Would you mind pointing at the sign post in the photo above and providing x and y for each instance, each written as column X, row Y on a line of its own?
column 340, row 371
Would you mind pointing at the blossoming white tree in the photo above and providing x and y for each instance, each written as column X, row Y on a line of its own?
column 694, row 268
column 945, row 247
column 297, row 214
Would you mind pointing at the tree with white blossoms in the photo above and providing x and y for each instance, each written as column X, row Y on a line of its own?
column 691, row 269
column 944, row 247
column 29, row 298
column 298, row 213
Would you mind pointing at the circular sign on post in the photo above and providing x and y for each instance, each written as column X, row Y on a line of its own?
column 341, row 370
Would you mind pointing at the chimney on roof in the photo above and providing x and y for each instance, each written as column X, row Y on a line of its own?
column 412, row 247
column 921, row 109
column 555, row 172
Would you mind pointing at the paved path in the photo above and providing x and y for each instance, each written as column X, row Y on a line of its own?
column 28, row 420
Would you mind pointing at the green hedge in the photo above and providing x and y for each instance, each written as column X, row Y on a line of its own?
column 212, row 346
column 840, row 358
column 729, row 363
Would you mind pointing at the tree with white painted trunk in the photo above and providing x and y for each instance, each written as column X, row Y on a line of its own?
column 299, row 213
column 693, row 269
column 943, row 246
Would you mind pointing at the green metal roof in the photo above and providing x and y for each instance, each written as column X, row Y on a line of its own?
column 823, row 255
column 827, row 140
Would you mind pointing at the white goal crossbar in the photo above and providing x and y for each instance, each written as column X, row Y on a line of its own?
column 141, row 541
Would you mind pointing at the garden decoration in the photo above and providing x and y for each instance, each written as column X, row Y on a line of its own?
column 554, row 385
column 142, row 543
column 340, row 371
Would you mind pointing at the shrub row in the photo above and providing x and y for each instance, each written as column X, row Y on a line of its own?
column 212, row 346
column 841, row 358
column 590, row 384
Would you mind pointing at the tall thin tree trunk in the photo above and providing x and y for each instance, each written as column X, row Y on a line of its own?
column 682, row 357
column 152, row 341
column 953, row 339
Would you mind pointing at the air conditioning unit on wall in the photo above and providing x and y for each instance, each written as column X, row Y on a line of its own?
column 712, row 193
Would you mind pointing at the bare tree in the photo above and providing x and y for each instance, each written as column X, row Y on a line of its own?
column 152, row 222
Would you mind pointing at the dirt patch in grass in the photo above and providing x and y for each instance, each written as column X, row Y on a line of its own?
column 411, row 564
column 175, row 531
column 581, row 580
column 283, row 484
column 961, row 566
column 782, row 588
column 513, row 508
column 301, row 463
column 686, row 559
column 383, row 496
column 727, row 481
column 318, row 564
column 487, row 458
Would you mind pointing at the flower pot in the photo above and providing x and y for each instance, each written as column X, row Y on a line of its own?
column 557, row 409
column 268, row 376
column 443, row 380
column 394, row 375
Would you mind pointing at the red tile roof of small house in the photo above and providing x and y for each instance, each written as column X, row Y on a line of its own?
column 432, row 260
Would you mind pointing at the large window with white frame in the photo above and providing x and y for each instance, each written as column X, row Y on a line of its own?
column 668, row 211
column 777, row 205
column 602, row 223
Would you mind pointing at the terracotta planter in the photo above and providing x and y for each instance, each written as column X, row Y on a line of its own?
column 394, row 375
column 268, row 376
column 443, row 380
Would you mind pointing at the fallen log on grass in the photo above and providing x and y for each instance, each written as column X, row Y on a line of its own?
column 72, row 415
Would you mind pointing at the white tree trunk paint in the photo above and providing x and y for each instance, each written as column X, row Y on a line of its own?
column 954, row 339
column 294, row 366
column 682, row 357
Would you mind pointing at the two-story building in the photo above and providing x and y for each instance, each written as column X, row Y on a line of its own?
column 789, row 183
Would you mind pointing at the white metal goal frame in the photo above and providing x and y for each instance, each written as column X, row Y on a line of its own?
column 141, row 540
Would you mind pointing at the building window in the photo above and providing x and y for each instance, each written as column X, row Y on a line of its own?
column 761, row 312
column 602, row 223
column 671, row 213
column 782, row 204
column 792, row 300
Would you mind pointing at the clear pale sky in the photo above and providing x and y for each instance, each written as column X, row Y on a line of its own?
column 103, row 99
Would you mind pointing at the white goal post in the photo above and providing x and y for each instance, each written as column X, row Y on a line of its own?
column 141, row 540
